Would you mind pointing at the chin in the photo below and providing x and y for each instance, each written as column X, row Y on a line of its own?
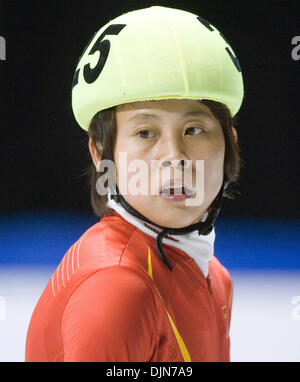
column 173, row 220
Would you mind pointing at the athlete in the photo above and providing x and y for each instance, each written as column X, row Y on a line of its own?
column 157, row 87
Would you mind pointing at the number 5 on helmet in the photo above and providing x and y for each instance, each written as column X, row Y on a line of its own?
column 152, row 54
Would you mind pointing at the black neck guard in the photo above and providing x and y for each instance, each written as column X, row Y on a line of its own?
column 203, row 228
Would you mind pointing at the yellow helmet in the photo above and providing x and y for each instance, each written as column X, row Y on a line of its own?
column 152, row 54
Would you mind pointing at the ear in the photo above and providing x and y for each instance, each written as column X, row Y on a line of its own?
column 95, row 153
column 234, row 134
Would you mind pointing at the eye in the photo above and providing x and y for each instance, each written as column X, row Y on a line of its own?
column 194, row 130
column 145, row 134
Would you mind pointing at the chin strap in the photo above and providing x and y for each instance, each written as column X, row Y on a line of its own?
column 203, row 228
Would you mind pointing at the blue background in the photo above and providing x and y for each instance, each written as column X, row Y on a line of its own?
column 44, row 237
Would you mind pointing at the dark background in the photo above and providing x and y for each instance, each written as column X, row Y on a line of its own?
column 43, row 150
column 44, row 199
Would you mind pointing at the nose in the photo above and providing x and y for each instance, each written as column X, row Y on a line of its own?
column 177, row 163
column 174, row 153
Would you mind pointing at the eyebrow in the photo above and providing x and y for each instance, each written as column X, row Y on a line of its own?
column 141, row 116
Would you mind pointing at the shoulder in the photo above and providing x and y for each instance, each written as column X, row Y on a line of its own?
column 112, row 241
column 102, row 244
column 110, row 234
column 116, row 283
column 220, row 273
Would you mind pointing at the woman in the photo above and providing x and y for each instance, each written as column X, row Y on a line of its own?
column 156, row 89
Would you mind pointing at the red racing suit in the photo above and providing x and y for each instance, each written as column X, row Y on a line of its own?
column 112, row 299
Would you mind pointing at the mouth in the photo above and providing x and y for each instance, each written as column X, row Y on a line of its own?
column 176, row 190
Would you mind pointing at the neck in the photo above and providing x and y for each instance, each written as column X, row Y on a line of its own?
column 199, row 247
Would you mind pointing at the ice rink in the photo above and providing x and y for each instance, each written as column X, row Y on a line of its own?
column 265, row 322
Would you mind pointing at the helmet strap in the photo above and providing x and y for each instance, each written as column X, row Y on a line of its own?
column 203, row 227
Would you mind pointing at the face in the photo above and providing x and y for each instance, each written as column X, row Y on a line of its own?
column 169, row 137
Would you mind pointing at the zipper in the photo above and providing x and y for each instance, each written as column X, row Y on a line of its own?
column 208, row 281
column 211, row 299
column 209, row 285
